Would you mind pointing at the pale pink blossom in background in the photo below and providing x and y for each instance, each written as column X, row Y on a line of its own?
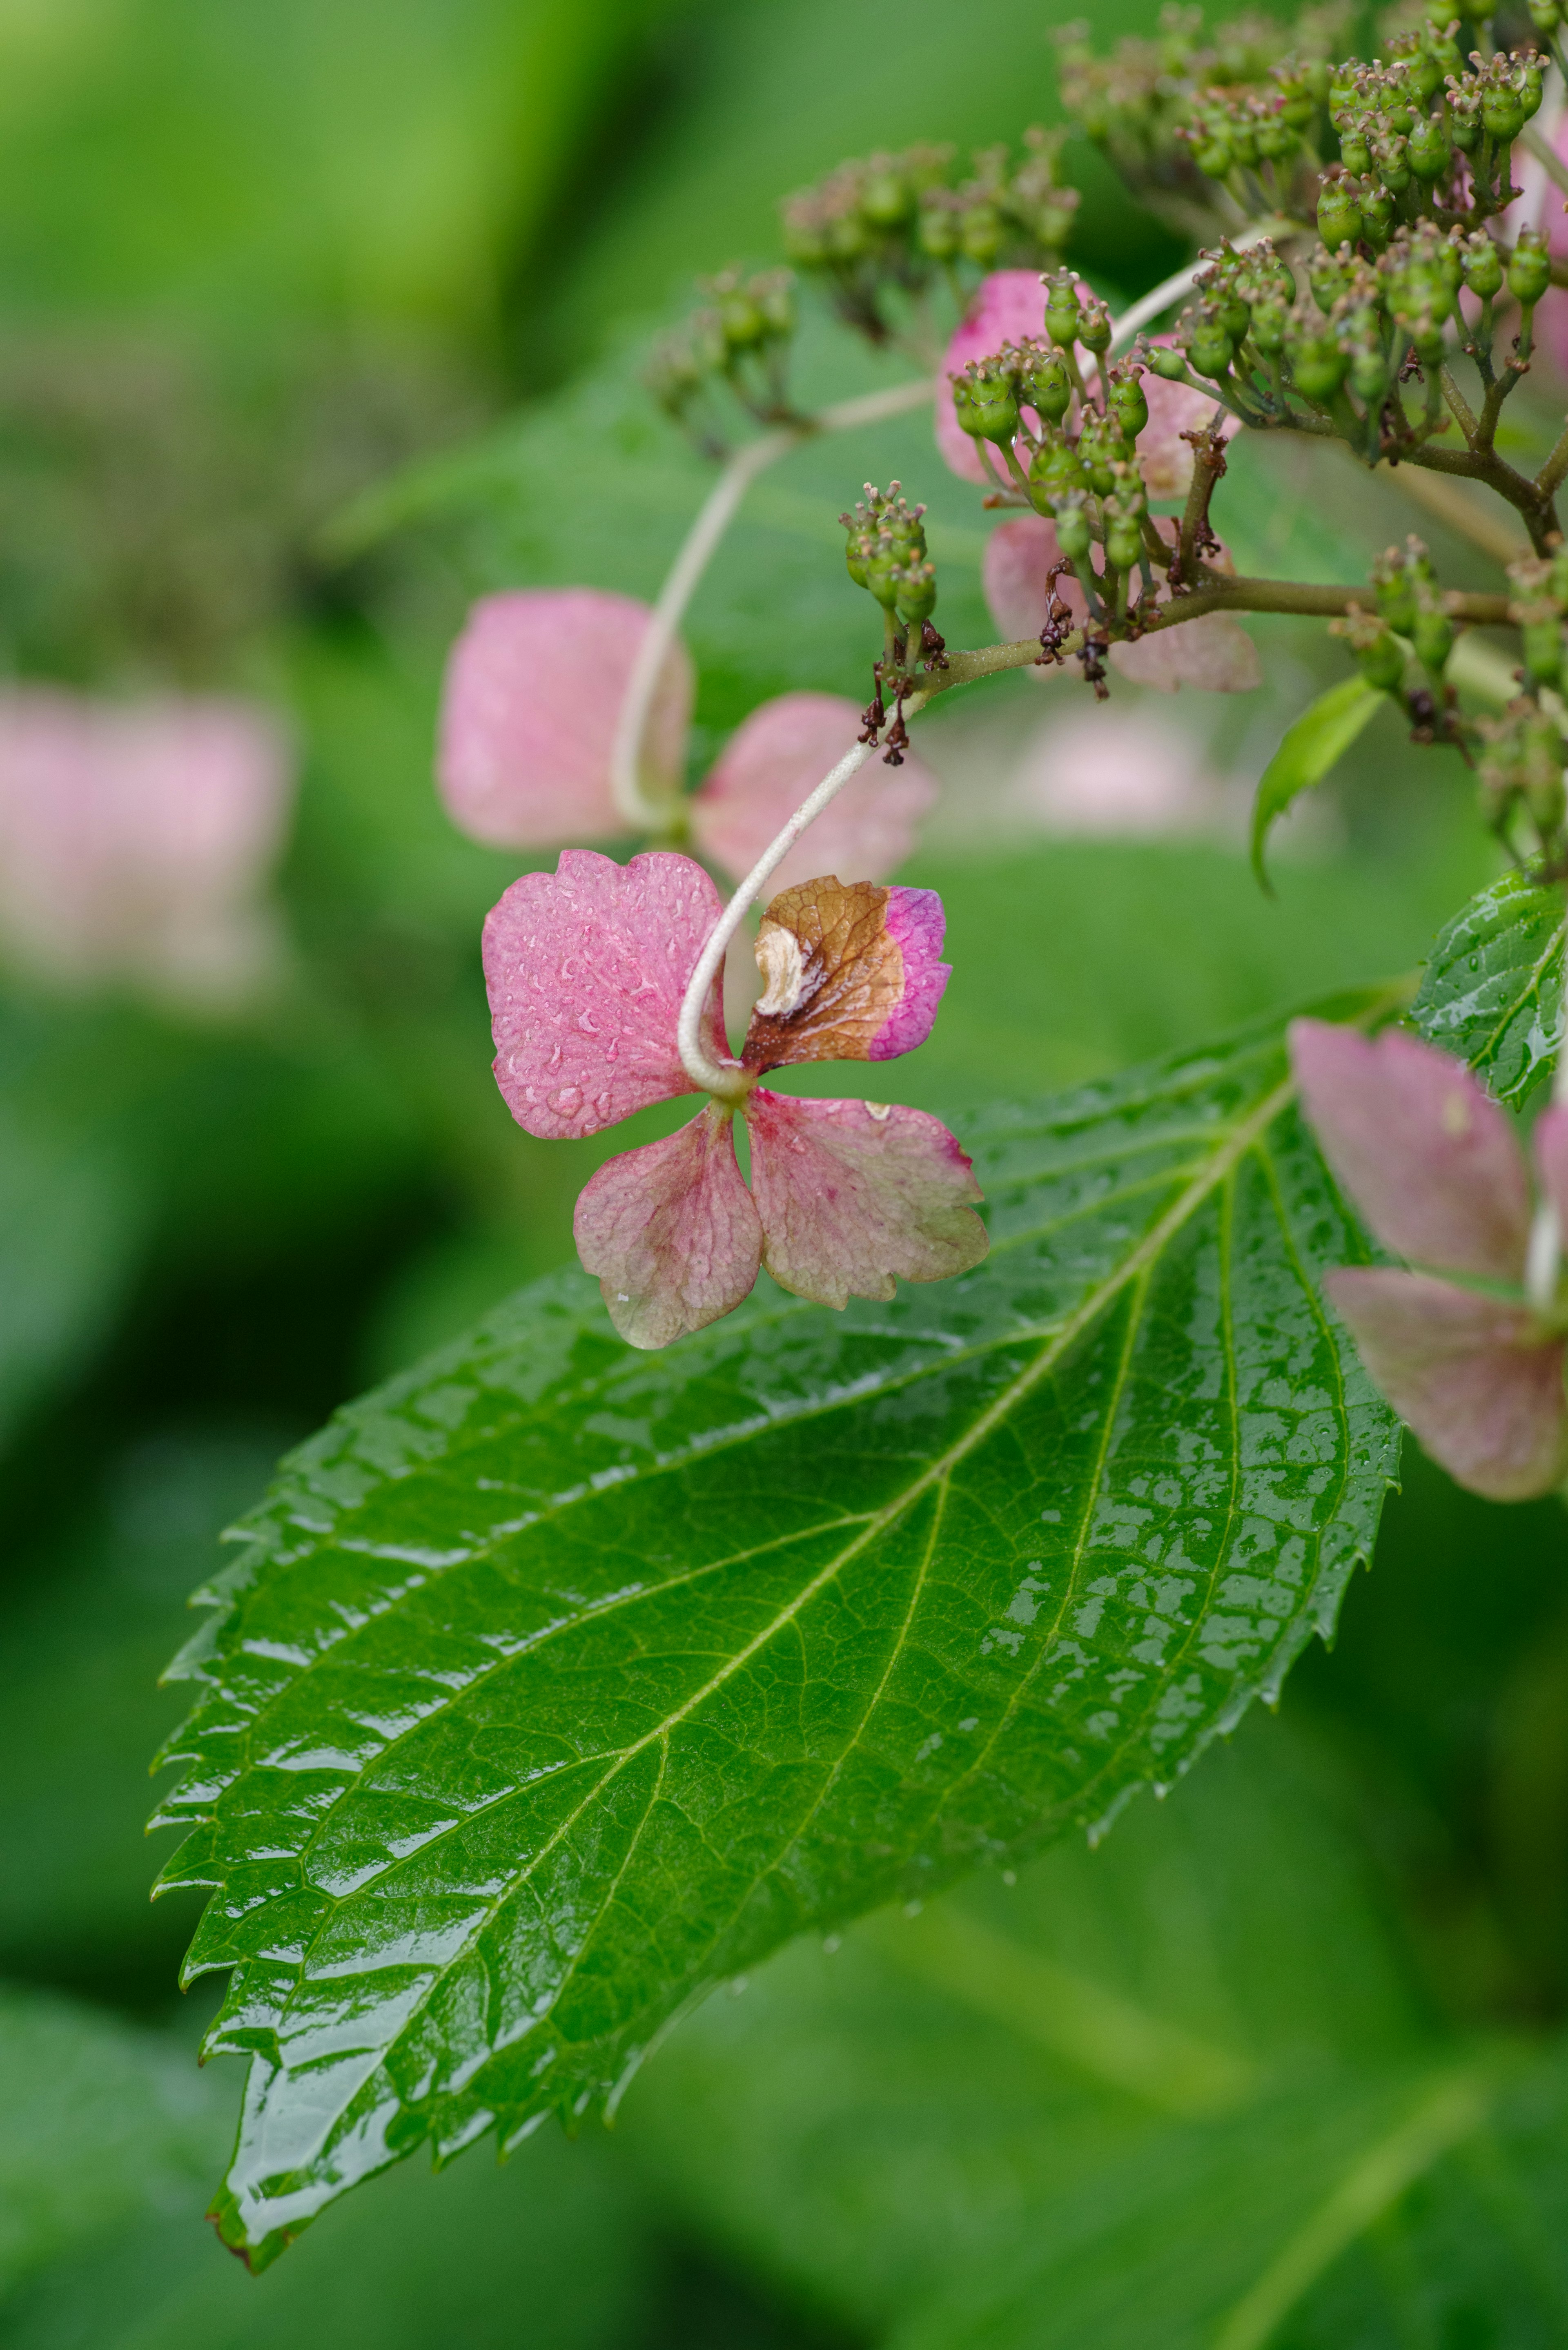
column 1543, row 202
column 1214, row 653
column 587, row 968
column 1109, row 774
column 1435, row 1170
column 534, row 689
column 136, row 839
column 1010, row 306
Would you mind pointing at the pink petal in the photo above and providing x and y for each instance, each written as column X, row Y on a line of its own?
column 854, row 1194
column 1427, row 1155
column 135, row 837
column 585, row 969
column 533, row 688
column 772, row 762
column 1009, row 304
column 1485, row 1398
column 1550, row 1145
column 851, row 972
column 1165, row 459
column 671, row 1232
column 1214, row 652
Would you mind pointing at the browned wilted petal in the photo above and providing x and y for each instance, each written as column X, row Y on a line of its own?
column 850, row 973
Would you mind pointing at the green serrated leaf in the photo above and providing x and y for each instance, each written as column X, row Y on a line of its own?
column 1492, row 991
column 1317, row 741
column 556, row 1682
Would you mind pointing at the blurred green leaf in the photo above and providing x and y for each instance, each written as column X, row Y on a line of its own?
column 516, row 1733
column 1492, row 989
column 100, row 2125
column 1312, row 745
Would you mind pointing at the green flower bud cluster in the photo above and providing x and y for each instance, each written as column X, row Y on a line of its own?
column 1400, row 578
column 1379, row 655
column 741, row 337
column 1404, row 122
column 1124, row 505
column 883, row 226
column 1539, row 607
column 886, row 554
column 1522, row 773
column 1244, row 298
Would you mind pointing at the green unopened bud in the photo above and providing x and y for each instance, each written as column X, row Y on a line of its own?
column 1354, row 151
column 1278, row 137
column 1054, row 470
column 1391, row 160
column 985, row 402
column 884, row 571
column 1430, row 146
column 1432, row 634
column 1044, row 383
column 1123, row 539
column 1381, row 660
column 1545, row 16
column 1271, row 323
column 1377, row 217
column 1096, row 328
column 1502, row 111
column 1209, row 346
column 1533, row 87
column 1317, row 365
column 1215, row 158
column 1529, row 269
column 1464, row 120
column 1062, row 313
column 1423, row 75
column 1128, row 404
column 1169, row 365
column 1368, row 372
column 1338, row 215
column 1073, row 533
column 1100, row 447
column 917, row 586
column 1542, row 641
column 1427, row 335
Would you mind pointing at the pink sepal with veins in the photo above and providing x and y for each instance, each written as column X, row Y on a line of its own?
column 534, row 687
column 773, row 760
column 587, row 968
column 1214, row 652
column 1433, row 1165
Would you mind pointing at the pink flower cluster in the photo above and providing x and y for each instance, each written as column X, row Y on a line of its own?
column 587, row 968
column 1433, row 1165
column 534, row 691
column 136, row 838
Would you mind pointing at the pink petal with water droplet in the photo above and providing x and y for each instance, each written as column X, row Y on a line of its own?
column 1428, row 1157
column 853, row 1195
column 774, row 761
column 533, row 688
column 585, row 969
column 671, row 1232
column 1214, row 652
column 1009, row 305
column 1484, row 1396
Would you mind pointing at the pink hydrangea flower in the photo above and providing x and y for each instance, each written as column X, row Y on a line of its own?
column 534, row 689
column 1010, row 306
column 1433, row 1165
column 136, row 839
column 587, row 968
column 1213, row 653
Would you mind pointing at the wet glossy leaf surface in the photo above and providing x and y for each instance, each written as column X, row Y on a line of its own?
column 1492, row 992
column 555, row 1682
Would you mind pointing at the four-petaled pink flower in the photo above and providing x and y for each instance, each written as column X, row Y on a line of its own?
column 1433, row 1165
column 534, row 691
column 587, row 968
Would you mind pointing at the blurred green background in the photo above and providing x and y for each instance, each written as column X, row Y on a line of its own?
column 256, row 263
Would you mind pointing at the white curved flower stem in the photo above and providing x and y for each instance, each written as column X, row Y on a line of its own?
column 725, row 1081
column 697, row 551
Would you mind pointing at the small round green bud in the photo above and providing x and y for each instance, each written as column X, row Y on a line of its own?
column 1208, row 347
column 1271, row 323
column 1427, row 335
column 1215, row 158
column 883, row 569
column 1278, row 137
column 1369, row 373
column 1382, row 662
column 1353, row 151
column 1391, row 157
column 1124, row 540
column 1072, row 533
column 1483, row 266
column 1532, row 89
column 1502, row 111
column 1128, row 404
column 1063, row 315
column 1338, row 215
column 1100, row 447
column 1044, row 383
column 1542, row 641
column 1529, row 270
column 985, row 402
column 1169, row 365
column 1424, row 74
column 1317, row 365
column 1432, row 633
column 1096, row 328
column 1377, row 217
column 1430, row 147
column 917, row 593
column 1545, row 16
column 1054, row 469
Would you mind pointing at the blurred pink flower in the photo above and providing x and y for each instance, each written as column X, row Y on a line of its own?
column 1433, row 1165
column 1010, row 306
column 1214, row 652
column 534, row 690
column 587, row 968
column 136, row 839
column 1117, row 773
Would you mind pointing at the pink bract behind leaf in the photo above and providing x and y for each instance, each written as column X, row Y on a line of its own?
column 773, row 760
column 1485, row 1399
column 1009, row 306
column 585, row 969
column 671, row 1232
column 136, row 838
column 854, row 1196
column 1427, row 1155
column 1213, row 653
column 534, row 690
